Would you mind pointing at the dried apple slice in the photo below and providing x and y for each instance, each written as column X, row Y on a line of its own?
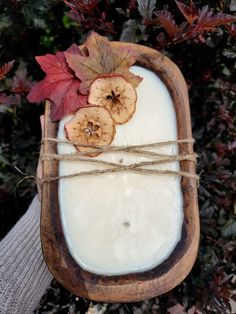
column 116, row 95
column 90, row 126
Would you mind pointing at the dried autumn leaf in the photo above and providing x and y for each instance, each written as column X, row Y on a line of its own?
column 60, row 85
column 102, row 59
column 74, row 49
column 5, row 68
column 166, row 20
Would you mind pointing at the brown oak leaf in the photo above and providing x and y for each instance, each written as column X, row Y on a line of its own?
column 101, row 58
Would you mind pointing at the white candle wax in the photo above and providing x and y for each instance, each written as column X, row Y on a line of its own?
column 121, row 223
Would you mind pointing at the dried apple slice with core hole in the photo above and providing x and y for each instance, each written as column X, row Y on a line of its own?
column 116, row 95
column 90, row 126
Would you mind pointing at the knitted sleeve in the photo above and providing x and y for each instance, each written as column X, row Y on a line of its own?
column 24, row 276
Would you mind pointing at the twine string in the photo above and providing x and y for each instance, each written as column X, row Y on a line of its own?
column 111, row 167
column 75, row 157
column 117, row 147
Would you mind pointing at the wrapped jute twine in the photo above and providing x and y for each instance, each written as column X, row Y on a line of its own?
column 111, row 167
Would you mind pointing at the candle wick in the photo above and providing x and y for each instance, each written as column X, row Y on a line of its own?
column 126, row 224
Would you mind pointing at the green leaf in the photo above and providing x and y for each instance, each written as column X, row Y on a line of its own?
column 67, row 22
column 5, row 22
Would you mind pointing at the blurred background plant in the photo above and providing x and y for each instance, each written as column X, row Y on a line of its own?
column 200, row 37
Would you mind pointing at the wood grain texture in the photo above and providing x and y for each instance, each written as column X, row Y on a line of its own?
column 138, row 286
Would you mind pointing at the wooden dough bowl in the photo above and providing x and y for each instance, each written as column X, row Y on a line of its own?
column 138, row 286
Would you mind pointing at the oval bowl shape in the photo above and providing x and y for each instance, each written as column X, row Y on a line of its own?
column 135, row 286
column 125, row 222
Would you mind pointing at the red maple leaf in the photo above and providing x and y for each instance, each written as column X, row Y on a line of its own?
column 60, row 85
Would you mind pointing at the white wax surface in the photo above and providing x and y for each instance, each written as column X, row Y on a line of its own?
column 125, row 222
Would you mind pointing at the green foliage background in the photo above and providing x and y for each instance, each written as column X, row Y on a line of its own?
column 35, row 27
